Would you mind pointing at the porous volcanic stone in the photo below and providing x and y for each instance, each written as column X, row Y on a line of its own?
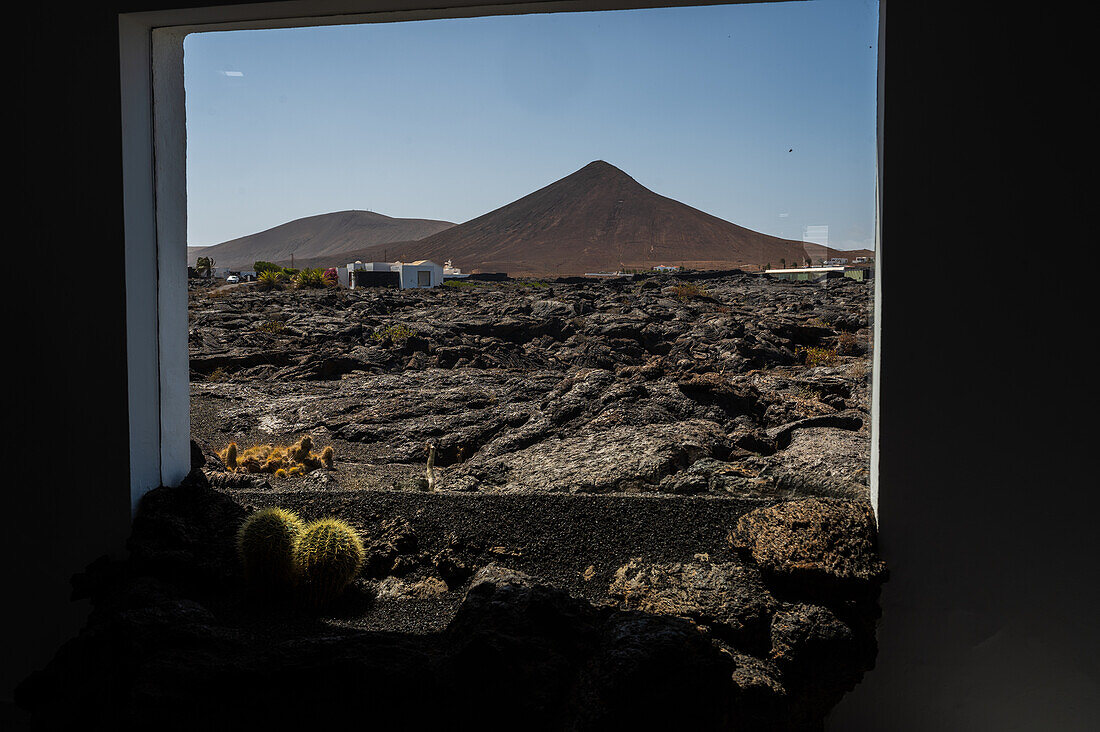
column 727, row 594
column 817, row 541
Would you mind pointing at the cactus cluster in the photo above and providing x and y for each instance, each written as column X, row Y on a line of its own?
column 279, row 554
column 295, row 459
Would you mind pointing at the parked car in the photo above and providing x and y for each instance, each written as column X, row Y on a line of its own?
column 232, row 279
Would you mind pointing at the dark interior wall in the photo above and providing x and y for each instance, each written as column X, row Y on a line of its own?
column 988, row 511
column 987, row 515
column 67, row 502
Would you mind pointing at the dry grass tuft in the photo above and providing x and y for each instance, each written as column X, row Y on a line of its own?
column 820, row 356
column 217, row 375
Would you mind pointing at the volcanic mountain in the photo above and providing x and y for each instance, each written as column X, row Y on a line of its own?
column 325, row 235
column 597, row 219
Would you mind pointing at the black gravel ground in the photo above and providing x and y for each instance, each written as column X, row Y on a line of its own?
column 575, row 542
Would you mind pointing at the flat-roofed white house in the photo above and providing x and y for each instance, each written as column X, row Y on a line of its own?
column 345, row 275
column 421, row 273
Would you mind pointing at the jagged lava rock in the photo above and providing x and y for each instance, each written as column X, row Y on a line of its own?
column 729, row 595
column 814, row 541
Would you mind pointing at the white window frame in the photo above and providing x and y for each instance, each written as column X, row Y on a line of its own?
column 154, row 157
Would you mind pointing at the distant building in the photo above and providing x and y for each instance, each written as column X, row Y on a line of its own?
column 836, row 262
column 371, row 266
column 818, row 274
column 450, row 272
column 666, row 268
column 343, row 277
column 422, row 273
column 419, row 274
column 371, row 274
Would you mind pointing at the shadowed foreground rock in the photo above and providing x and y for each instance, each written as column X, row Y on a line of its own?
column 173, row 643
column 823, row 545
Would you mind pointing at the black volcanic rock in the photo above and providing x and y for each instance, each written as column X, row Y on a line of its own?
column 164, row 651
column 592, row 387
column 597, row 445
column 823, row 543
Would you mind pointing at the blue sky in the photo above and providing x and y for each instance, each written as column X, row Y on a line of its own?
column 450, row 119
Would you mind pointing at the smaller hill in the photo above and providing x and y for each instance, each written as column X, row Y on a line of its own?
column 312, row 237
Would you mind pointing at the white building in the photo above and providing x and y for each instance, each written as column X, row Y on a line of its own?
column 421, row 273
column 343, row 274
column 665, row 268
column 836, row 262
column 450, row 272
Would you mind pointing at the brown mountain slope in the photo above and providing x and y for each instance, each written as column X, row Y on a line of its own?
column 598, row 218
column 317, row 236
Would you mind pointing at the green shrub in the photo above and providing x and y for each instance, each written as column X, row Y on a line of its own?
column 821, row 356
column 687, row 290
column 270, row 279
column 271, row 326
column 393, row 332
column 266, row 545
column 327, row 558
column 309, row 279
